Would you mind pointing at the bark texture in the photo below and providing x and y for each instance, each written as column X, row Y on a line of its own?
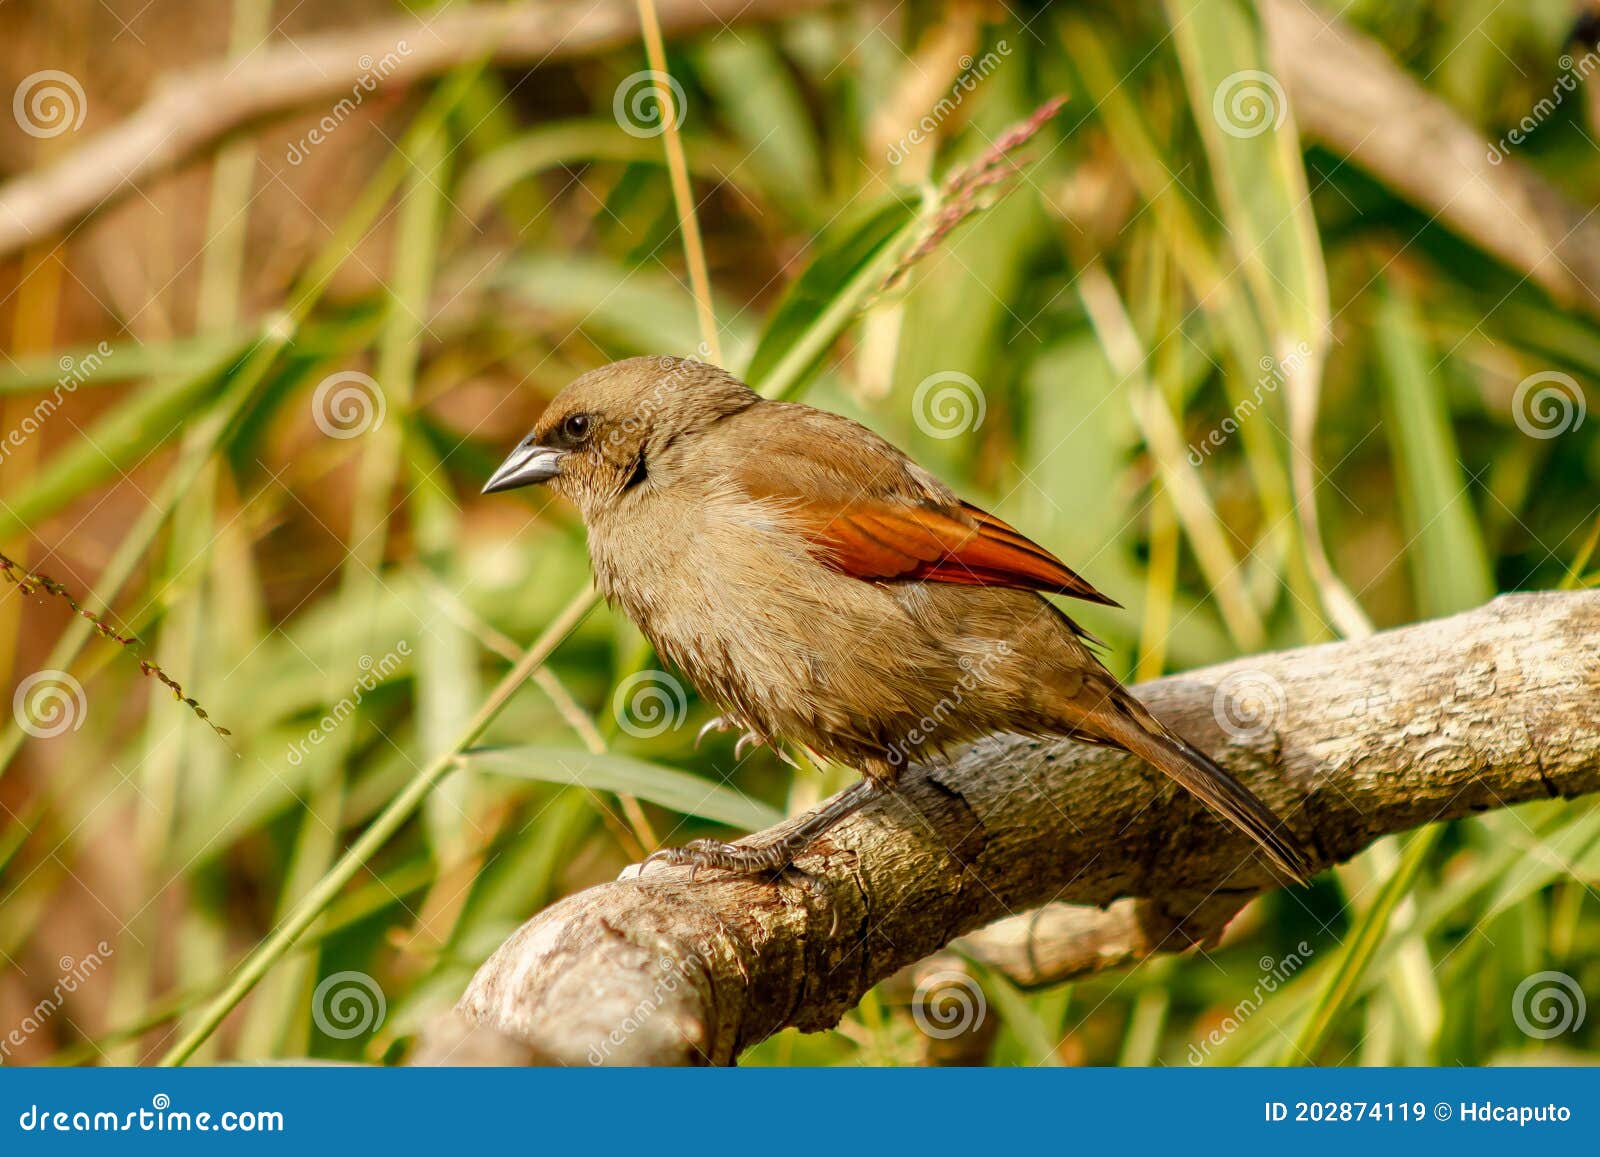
column 1348, row 741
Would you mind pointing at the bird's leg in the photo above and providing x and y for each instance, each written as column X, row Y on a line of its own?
column 780, row 853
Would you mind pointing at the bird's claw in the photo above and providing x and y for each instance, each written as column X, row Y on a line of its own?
column 749, row 737
column 697, row 854
column 729, row 722
column 716, row 723
column 775, row 860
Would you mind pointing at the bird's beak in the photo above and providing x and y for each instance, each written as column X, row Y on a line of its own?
column 523, row 467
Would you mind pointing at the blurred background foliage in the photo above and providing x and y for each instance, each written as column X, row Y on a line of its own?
column 472, row 243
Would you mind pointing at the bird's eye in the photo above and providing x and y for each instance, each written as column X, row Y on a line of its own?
column 575, row 428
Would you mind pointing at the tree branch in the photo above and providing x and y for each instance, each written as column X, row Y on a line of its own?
column 1061, row 942
column 1357, row 740
column 1347, row 93
column 195, row 109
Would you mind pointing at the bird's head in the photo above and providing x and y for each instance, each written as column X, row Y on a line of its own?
column 599, row 437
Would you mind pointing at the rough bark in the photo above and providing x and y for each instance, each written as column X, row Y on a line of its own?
column 1348, row 741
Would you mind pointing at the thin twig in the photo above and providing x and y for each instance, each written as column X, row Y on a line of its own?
column 30, row 582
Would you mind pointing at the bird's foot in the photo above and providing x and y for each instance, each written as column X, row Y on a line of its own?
column 697, row 854
column 774, row 856
column 775, row 860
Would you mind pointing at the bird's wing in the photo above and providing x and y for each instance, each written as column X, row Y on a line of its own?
column 870, row 512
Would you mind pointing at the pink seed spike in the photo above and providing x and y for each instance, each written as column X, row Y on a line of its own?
column 958, row 196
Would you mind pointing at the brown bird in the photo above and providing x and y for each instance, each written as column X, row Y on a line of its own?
column 820, row 585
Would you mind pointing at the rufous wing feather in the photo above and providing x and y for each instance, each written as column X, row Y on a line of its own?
column 888, row 540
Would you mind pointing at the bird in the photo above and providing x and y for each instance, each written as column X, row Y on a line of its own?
column 824, row 588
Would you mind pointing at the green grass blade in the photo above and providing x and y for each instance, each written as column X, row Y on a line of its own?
column 681, row 791
column 1358, row 951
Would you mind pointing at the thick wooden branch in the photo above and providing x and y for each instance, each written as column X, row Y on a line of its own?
column 1349, row 741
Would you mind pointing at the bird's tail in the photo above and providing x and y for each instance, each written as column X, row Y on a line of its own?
column 1126, row 722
